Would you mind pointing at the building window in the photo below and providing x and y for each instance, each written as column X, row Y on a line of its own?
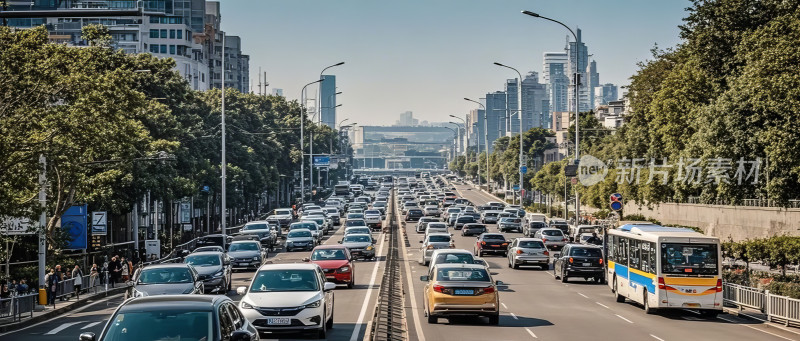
column 163, row 49
column 153, row 33
column 163, row 33
column 172, row 49
column 154, row 20
column 180, row 34
column 153, row 48
column 171, row 34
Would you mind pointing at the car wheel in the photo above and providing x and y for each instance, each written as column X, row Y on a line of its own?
column 647, row 308
column 432, row 319
column 509, row 262
column 564, row 277
column 494, row 319
column 329, row 324
column 351, row 284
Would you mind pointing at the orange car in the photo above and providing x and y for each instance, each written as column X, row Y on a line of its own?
column 461, row 289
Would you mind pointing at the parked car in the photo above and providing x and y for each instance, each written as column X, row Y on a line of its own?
column 528, row 251
column 246, row 254
column 300, row 239
column 580, row 261
column 432, row 242
column 473, row 229
column 165, row 279
column 508, row 224
column 460, row 289
column 336, row 262
column 176, row 317
column 553, row 238
column 289, row 298
column 361, row 245
column 494, row 243
column 214, row 269
column 414, row 214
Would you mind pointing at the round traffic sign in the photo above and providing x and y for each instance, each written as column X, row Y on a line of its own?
column 616, row 197
column 574, row 181
column 616, row 205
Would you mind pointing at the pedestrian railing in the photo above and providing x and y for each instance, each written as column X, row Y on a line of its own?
column 17, row 306
column 778, row 308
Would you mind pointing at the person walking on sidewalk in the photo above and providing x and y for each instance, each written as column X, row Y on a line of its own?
column 113, row 270
column 77, row 274
column 125, row 270
column 52, row 285
column 93, row 273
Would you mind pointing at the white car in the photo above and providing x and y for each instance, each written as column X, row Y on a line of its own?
column 432, row 211
column 289, row 297
column 373, row 218
column 436, row 227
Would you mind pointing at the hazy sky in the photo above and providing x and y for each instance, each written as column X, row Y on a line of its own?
column 426, row 55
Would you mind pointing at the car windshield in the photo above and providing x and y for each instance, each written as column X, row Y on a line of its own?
column 202, row 260
column 494, row 237
column 490, row 214
column 299, row 234
column 684, row 258
column 439, row 239
column 296, row 226
column 466, row 219
column 328, row 254
column 357, row 239
column 358, row 231
column 373, row 212
column 437, row 226
column 531, row 244
column 161, row 325
column 510, row 220
column 250, row 227
column 356, row 223
column 585, row 252
column 243, row 247
column 552, row 233
column 475, row 226
column 165, row 275
column 355, row 216
column 463, row 258
column 285, row 280
column 313, row 227
column 459, row 275
column 283, row 212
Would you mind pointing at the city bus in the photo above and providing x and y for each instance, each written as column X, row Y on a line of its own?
column 665, row 268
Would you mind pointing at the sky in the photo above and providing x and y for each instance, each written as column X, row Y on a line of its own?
column 425, row 56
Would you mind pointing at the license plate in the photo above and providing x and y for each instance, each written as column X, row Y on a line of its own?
column 587, row 264
column 464, row 292
column 279, row 321
column 692, row 305
column 331, row 277
column 243, row 264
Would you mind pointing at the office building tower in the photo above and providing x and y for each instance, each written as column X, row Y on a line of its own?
column 578, row 55
column 477, row 119
column 406, row 119
column 496, row 111
column 592, row 81
column 237, row 64
column 605, row 93
column 535, row 104
column 327, row 100
column 556, row 81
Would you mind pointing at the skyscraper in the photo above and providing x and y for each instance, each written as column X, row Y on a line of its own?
column 512, row 125
column 406, row 119
column 578, row 63
column 327, row 101
column 592, row 81
column 535, row 104
column 556, row 81
column 605, row 93
column 495, row 103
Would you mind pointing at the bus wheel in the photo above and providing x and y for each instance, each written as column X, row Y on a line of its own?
column 617, row 296
column 647, row 308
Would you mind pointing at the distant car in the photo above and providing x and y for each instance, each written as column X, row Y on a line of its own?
column 355, row 222
column 308, row 225
column 436, row 227
column 528, row 251
column 209, row 248
column 267, row 238
column 580, row 261
column 462, row 220
column 432, row 211
column 214, row 240
column 333, row 215
column 529, row 229
column 301, row 239
column 360, row 245
column 473, row 229
column 452, row 256
column 289, row 298
column 355, row 216
column 373, row 218
column 357, row 230
column 214, row 269
column 414, row 214
column 165, row 279
column 553, row 238
column 560, row 224
column 336, row 262
column 489, row 217
column 423, row 223
column 246, row 254
column 434, row 241
column 494, row 243
column 508, row 224
column 283, row 216
column 460, row 289
column 451, row 220
column 176, row 317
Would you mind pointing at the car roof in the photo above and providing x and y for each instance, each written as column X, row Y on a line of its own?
column 166, row 265
column 206, row 253
column 460, row 266
column 438, row 251
column 257, row 222
column 439, row 234
column 174, row 302
column 289, row 266
column 359, row 234
column 335, row 246
column 550, row 229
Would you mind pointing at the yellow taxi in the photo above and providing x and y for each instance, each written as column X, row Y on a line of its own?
column 460, row 289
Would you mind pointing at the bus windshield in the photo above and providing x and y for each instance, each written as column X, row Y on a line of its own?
column 689, row 259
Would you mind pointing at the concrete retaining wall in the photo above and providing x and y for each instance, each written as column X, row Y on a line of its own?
column 737, row 222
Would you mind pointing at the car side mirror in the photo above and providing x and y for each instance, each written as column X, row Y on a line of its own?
column 241, row 290
column 87, row 336
column 240, row 335
column 329, row 286
column 226, row 261
column 424, row 278
column 374, row 240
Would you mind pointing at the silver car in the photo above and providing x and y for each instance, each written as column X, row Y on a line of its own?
column 300, row 238
column 509, row 223
column 433, row 242
column 246, row 254
column 360, row 245
column 528, row 251
column 553, row 238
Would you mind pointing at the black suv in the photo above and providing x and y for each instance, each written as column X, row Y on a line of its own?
column 580, row 261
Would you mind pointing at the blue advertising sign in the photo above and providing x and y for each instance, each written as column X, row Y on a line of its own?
column 322, row 161
column 73, row 222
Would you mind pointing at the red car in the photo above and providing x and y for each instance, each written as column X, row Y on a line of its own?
column 336, row 262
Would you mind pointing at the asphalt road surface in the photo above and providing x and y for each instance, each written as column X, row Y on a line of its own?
column 534, row 306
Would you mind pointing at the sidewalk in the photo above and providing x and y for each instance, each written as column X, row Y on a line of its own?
column 40, row 313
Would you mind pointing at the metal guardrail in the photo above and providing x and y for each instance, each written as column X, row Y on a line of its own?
column 794, row 203
column 782, row 309
column 18, row 305
column 389, row 312
column 777, row 308
column 742, row 296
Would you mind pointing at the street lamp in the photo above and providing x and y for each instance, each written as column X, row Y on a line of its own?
column 576, row 80
column 486, row 139
column 466, row 137
column 302, row 132
column 519, row 112
column 342, row 121
column 319, row 107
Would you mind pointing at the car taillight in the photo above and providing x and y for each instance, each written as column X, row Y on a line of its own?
column 438, row 288
column 570, row 260
column 544, row 240
column 452, row 245
column 430, row 247
column 546, row 253
column 601, row 261
column 519, row 252
column 719, row 285
column 504, row 244
column 488, row 290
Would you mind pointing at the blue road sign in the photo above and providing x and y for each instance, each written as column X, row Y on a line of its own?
column 516, row 187
column 616, row 205
column 322, row 161
column 523, row 169
column 73, row 222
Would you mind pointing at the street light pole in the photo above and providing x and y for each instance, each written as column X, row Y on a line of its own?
column 319, row 107
column 576, row 80
column 302, row 132
column 485, row 139
column 224, row 164
column 455, row 133
column 519, row 112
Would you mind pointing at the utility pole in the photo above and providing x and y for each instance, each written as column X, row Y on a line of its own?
column 42, row 219
column 224, row 164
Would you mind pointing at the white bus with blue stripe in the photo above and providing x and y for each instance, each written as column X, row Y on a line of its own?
column 665, row 268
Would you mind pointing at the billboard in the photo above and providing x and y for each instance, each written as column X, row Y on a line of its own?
column 322, row 161
column 73, row 222
column 10, row 226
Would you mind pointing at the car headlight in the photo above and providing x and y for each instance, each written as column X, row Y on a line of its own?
column 246, row 305
column 218, row 274
column 344, row 269
column 314, row 304
column 369, row 248
column 255, row 258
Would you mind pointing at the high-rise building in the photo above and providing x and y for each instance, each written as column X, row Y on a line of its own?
column 277, row 92
column 592, row 81
column 535, row 104
column 476, row 128
column 578, row 63
column 496, row 110
column 327, row 100
column 605, row 93
column 512, row 125
column 556, row 81
column 406, row 119
column 237, row 64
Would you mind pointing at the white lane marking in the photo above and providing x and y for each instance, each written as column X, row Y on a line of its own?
column 62, row 327
column 531, row 332
column 751, row 327
column 514, row 316
column 414, row 312
column 624, row 319
column 656, row 337
column 106, row 299
column 584, row 296
column 90, row 325
column 504, row 305
column 357, row 326
column 603, row 305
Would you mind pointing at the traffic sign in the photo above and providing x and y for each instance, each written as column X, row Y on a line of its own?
column 616, row 201
column 516, row 187
column 574, row 181
column 616, row 205
column 616, row 197
column 523, row 169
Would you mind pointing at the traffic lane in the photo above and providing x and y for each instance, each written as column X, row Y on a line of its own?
column 349, row 304
column 671, row 324
column 67, row 327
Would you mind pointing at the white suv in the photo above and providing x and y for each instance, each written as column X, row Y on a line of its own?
column 289, row 297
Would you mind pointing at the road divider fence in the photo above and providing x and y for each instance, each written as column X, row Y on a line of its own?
column 777, row 308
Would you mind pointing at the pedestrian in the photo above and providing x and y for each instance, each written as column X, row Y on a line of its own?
column 58, row 273
column 23, row 288
column 594, row 239
column 52, row 281
column 4, row 292
column 125, row 270
column 113, row 270
column 93, row 273
column 77, row 274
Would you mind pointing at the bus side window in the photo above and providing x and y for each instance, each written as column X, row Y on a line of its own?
column 612, row 249
column 645, row 247
column 652, row 256
column 634, row 254
column 623, row 251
